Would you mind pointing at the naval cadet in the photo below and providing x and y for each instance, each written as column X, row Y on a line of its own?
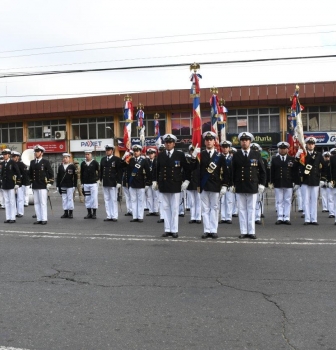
column 249, row 177
column 89, row 177
column 20, row 192
column 282, row 177
column 214, row 180
column 10, row 179
column 309, row 175
column 152, row 196
column 325, row 190
column 111, row 177
column 42, row 177
column 138, row 181
column 168, row 179
column 66, row 183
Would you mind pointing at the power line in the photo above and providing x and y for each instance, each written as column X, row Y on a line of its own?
column 170, row 36
column 13, row 75
column 166, row 43
column 175, row 56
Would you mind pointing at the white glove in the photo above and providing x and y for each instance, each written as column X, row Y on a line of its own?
column 99, row 183
column 185, row 185
column 48, row 186
column 118, row 186
column 331, row 184
column 16, row 187
column 222, row 191
column 261, row 189
column 125, row 155
column 322, row 183
column 196, row 151
column 296, row 187
column 146, row 189
column 298, row 153
column 270, row 186
column 155, row 186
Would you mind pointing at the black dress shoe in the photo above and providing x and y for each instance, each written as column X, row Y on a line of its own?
column 302, row 216
column 12, row 221
column 88, row 216
column 175, row 235
column 37, row 222
column 134, row 220
column 325, row 211
column 214, row 235
column 314, row 223
column 34, row 216
column 161, row 220
column 181, row 215
column 242, row 236
column 146, row 209
column 114, row 220
column 192, row 221
column 234, row 215
column 108, row 219
column 331, row 216
column 6, row 221
column 205, row 235
column 128, row 214
column 229, row 222
column 252, row 236
column 258, row 222
column 140, row 220
column 307, row 223
column 43, row 222
column 149, row 214
column 262, row 215
column 222, row 222
column 300, row 211
column 20, row 215
column 287, row 222
column 166, row 234
column 279, row 222
column 198, row 221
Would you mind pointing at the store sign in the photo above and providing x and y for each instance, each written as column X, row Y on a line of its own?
column 93, row 145
column 262, row 138
column 49, row 146
column 149, row 142
column 15, row 146
column 322, row 138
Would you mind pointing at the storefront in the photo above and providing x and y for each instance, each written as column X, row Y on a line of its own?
column 97, row 146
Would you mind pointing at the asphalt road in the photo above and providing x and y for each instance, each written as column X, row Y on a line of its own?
column 90, row 284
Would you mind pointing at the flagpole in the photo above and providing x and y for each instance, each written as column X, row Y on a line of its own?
column 195, row 95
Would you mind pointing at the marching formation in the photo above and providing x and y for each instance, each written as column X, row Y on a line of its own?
column 219, row 183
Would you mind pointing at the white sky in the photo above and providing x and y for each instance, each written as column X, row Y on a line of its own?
column 130, row 33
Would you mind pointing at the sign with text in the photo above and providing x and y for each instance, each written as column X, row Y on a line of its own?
column 92, row 145
column 262, row 138
column 322, row 138
column 14, row 146
column 50, row 146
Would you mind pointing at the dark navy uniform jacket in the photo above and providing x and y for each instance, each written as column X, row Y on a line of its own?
column 248, row 172
column 110, row 171
column 283, row 172
column 9, row 174
column 214, row 170
column 168, row 171
column 310, row 173
column 40, row 174
column 138, row 173
column 89, row 173
column 24, row 173
column 66, row 177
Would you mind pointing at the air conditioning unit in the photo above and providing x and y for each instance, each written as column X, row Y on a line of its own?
column 60, row 135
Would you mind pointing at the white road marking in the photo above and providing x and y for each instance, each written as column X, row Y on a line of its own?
column 6, row 348
column 181, row 239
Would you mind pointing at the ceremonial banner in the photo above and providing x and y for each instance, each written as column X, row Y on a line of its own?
column 128, row 118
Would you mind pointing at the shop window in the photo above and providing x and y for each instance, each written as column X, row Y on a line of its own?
column 45, row 129
column 11, row 132
column 149, row 125
column 181, row 123
column 92, row 128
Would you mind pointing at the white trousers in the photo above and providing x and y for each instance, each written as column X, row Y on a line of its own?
column 309, row 201
column 194, row 201
column 40, row 204
column 283, row 199
column 181, row 206
column 227, row 205
column 9, row 197
column 138, row 202
column 235, row 205
column 2, row 200
column 327, row 200
column 246, row 211
column 160, row 205
column 260, row 200
column 111, row 202
column 209, row 201
column 152, row 200
column 333, row 191
column 67, row 198
column 20, row 200
column 299, row 199
column 91, row 196
column 26, row 194
column 127, row 199
column 170, row 210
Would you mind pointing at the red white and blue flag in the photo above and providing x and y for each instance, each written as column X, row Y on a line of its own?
column 222, row 113
column 128, row 118
column 157, row 133
column 214, row 117
column 195, row 86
